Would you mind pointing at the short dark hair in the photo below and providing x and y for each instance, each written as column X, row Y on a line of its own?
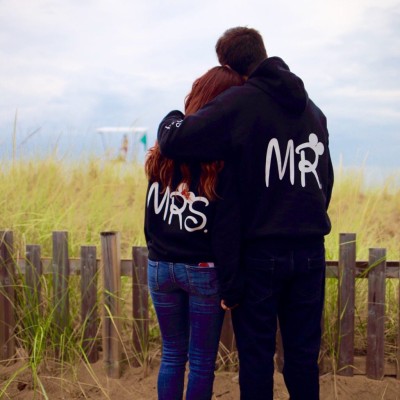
column 242, row 49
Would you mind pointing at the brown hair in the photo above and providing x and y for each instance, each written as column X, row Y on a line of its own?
column 242, row 49
column 204, row 89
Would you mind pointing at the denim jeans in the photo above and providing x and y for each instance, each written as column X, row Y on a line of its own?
column 288, row 285
column 188, row 309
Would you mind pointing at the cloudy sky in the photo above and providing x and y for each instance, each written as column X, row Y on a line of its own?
column 69, row 67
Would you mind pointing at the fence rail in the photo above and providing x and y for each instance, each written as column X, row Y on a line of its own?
column 111, row 267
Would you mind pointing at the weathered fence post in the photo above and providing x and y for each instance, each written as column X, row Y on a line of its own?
column 140, row 301
column 376, row 313
column 7, row 296
column 61, row 280
column 346, row 300
column 110, row 248
column 33, row 287
column 33, row 273
column 89, row 302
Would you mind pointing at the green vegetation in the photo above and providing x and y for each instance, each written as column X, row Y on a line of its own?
column 88, row 197
column 372, row 213
column 85, row 198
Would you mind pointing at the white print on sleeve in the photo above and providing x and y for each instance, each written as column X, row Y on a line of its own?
column 195, row 221
column 177, row 123
column 305, row 166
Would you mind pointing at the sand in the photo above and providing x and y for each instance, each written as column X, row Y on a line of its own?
column 83, row 382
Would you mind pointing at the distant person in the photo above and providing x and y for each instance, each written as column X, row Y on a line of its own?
column 278, row 139
column 123, row 151
column 192, row 232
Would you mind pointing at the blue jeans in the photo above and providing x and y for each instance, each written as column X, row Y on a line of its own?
column 289, row 286
column 187, row 304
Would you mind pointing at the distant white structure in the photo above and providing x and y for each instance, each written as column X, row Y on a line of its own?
column 123, row 151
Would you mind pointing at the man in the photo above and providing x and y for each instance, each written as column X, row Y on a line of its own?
column 278, row 139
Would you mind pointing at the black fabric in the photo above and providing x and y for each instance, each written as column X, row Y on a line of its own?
column 195, row 229
column 279, row 141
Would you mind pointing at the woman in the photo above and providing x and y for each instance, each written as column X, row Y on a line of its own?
column 192, row 233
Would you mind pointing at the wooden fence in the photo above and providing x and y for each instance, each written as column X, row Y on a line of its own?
column 377, row 269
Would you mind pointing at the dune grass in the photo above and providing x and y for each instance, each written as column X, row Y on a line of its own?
column 373, row 213
column 83, row 198
column 90, row 196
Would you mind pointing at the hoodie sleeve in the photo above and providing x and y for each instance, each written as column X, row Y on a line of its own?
column 330, row 178
column 330, row 183
column 202, row 136
column 225, row 238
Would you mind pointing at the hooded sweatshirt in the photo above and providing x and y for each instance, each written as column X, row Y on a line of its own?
column 278, row 139
column 182, row 225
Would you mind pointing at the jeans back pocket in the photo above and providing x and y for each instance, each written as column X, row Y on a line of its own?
column 314, row 279
column 152, row 275
column 203, row 280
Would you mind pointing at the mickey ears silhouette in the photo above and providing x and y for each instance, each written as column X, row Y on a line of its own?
column 318, row 146
column 312, row 144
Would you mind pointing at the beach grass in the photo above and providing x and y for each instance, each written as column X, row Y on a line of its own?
column 90, row 196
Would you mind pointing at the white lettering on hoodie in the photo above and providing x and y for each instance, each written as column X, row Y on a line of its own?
column 195, row 221
column 305, row 166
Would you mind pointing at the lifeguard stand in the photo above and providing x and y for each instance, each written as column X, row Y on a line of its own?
column 139, row 134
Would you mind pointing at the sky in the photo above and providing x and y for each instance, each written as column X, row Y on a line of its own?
column 70, row 67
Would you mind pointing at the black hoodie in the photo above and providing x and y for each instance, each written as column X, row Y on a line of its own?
column 278, row 139
column 184, row 226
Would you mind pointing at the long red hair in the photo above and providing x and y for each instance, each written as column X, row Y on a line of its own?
column 204, row 89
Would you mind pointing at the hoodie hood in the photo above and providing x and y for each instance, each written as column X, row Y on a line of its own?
column 273, row 76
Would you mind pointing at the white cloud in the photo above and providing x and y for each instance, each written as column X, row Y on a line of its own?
column 74, row 63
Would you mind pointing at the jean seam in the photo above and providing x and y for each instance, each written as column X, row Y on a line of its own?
column 171, row 272
column 188, row 279
column 156, row 283
column 156, row 273
column 190, row 282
